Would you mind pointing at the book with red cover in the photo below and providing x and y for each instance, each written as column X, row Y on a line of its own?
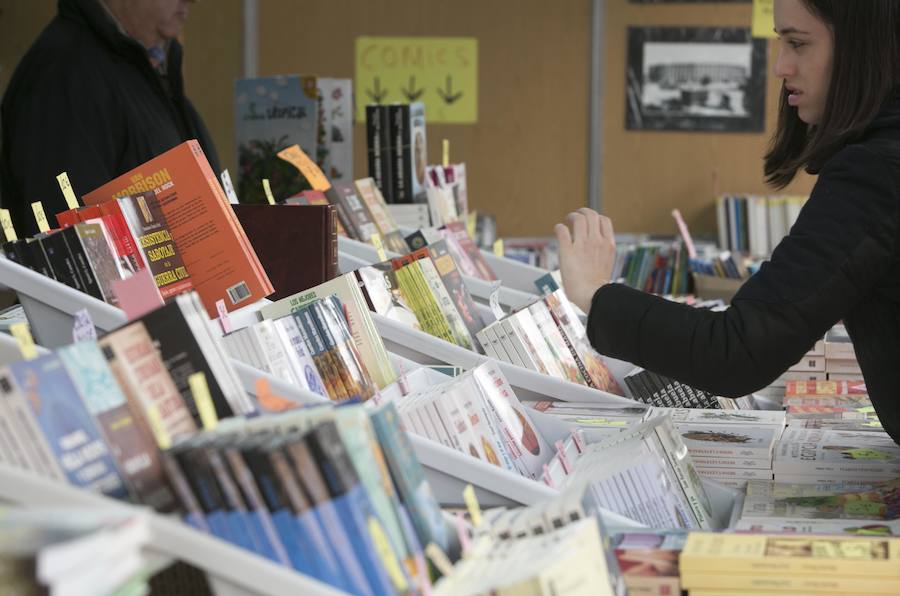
column 218, row 256
column 296, row 244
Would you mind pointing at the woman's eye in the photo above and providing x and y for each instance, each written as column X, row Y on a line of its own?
column 796, row 44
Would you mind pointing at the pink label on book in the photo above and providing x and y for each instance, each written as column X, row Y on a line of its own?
column 224, row 320
column 563, row 458
column 137, row 294
column 548, row 480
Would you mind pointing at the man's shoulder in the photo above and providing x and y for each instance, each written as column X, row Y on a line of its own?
column 63, row 46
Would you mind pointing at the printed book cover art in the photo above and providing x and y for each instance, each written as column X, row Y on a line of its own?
column 733, row 439
column 272, row 113
column 824, row 388
column 100, row 257
column 730, row 417
column 456, row 288
column 878, row 501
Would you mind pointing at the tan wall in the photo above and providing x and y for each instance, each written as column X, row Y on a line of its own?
column 647, row 174
column 527, row 155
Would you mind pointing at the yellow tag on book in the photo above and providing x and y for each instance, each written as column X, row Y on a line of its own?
column 763, row 18
column 310, row 170
column 379, row 247
column 163, row 441
column 23, row 337
column 8, row 230
column 386, row 554
column 268, row 190
column 446, row 153
column 439, row 559
column 472, row 505
column 40, row 217
column 498, row 247
column 471, row 221
column 66, row 187
column 203, row 400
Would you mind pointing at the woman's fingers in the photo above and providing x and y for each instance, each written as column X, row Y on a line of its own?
column 592, row 219
column 579, row 226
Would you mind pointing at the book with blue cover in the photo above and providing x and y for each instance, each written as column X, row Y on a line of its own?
column 72, row 433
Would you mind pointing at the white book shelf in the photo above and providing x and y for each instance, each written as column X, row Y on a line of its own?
column 353, row 254
column 230, row 570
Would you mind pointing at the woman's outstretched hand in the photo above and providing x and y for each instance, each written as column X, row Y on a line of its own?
column 587, row 254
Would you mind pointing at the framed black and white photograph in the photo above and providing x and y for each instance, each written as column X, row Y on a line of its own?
column 695, row 79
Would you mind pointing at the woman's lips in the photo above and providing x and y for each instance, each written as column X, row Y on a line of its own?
column 793, row 96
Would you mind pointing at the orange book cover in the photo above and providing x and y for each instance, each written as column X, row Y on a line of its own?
column 218, row 256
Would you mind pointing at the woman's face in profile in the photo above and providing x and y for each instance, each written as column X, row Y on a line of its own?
column 805, row 55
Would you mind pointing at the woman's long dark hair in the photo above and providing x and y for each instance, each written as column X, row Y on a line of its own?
column 865, row 75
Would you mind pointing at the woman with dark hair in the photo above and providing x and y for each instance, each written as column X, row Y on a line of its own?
column 839, row 118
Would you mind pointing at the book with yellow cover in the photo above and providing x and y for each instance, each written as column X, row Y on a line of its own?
column 790, row 554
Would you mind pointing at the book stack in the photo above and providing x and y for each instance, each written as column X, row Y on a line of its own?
column 867, row 509
column 652, row 266
column 478, row 414
column 73, row 551
column 648, row 560
column 838, row 405
column 823, row 456
column 547, row 336
column 730, row 447
column 736, row 564
column 800, row 372
column 397, row 151
column 755, row 224
column 447, row 192
column 335, row 493
column 840, row 358
column 594, row 421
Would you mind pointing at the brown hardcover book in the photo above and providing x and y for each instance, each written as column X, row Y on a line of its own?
column 317, row 197
column 219, row 257
column 285, row 236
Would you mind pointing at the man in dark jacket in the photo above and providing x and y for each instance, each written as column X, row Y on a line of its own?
column 99, row 93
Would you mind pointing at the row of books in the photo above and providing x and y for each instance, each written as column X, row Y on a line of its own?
column 170, row 217
column 657, row 267
column 548, row 337
column 271, row 113
column 755, row 224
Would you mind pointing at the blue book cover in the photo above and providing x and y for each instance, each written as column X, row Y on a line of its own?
column 272, row 113
column 546, row 284
column 203, row 485
column 350, row 500
column 70, row 430
column 407, row 472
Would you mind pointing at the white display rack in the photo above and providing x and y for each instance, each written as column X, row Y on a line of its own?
column 230, row 570
column 514, row 274
column 353, row 254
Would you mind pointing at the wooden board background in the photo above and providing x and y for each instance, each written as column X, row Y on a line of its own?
column 527, row 155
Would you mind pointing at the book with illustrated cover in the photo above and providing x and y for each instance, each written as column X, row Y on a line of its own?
column 85, row 272
column 733, row 440
column 446, row 304
column 22, row 441
column 324, row 358
column 285, row 235
column 383, row 294
column 300, row 358
column 722, row 417
column 130, row 443
column 333, row 323
column 69, row 428
column 359, row 224
column 141, row 373
column 558, row 346
column 334, row 150
column 424, row 303
column 824, row 388
column 374, row 201
column 216, row 252
column 272, row 113
column 100, row 259
column 866, row 503
column 841, row 454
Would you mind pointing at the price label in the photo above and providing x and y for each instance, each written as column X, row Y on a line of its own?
column 578, row 437
column 22, row 333
column 445, row 157
column 228, row 187
column 295, row 156
column 463, row 533
column 83, row 329
column 375, row 239
column 472, row 505
column 224, row 319
column 203, row 400
column 163, row 440
column 439, row 559
column 9, row 232
column 66, row 187
column 388, row 557
column 547, row 478
column 494, row 300
column 498, row 247
column 563, row 458
column 40, row 217
column 267, row 188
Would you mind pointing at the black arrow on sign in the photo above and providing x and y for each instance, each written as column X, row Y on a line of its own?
column 411, row 93
column 447, row 94
column 378, row 94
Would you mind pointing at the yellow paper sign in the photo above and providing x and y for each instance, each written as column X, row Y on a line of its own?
column 203, row 400
column 763, row 19
column 268, row 190
column 66, row 187
column 472, row 505
column 375, row 239
column 163, row 440
column 386, row 554
column 310, row 170
column 9, row 232
column 498, row 247
column 23, row 336
column 445, row 153
column 439, row 558
column 442, row 72
column 40, row 217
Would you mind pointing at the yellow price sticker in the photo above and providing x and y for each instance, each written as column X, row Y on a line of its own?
column 386, row 554
column 472, row 505
column 445, row 146
column 295, row 156
column 471, row 223
column 439, row 558
column 498, row 247
column 40, row 217
column 163, row 440
column 66, row 187
column 267, row 188
column 22, row 333
column 203, row 400
column 9, row 232
column 375, row 239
